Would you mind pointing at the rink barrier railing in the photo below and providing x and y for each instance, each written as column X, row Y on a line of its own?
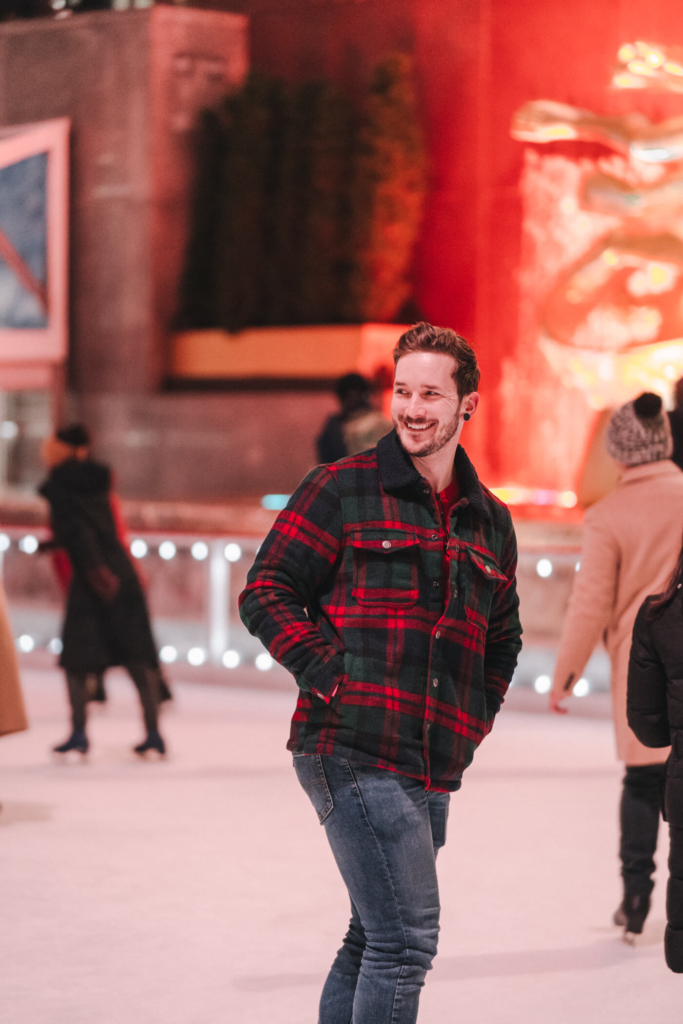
column 205, row 629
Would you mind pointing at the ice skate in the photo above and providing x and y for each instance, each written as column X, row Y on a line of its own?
column 631, row 916
column 77, row 742
column 153, row 743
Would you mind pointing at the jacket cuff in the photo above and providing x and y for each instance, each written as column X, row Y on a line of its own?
column 334, row 690
column 327, row 679
column 328, row 699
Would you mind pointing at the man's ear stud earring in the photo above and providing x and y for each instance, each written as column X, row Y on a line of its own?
column 466, row 417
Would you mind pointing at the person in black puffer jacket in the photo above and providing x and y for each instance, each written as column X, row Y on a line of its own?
column 655, row 713
column 107, row 622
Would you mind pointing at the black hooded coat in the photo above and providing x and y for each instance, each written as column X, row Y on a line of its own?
column 655, row 713
column 100, row 629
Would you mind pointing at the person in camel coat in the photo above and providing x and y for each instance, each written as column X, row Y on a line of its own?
column 631, row 539
column 12, row 711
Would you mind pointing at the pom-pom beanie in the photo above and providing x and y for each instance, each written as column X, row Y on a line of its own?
column 639, row 432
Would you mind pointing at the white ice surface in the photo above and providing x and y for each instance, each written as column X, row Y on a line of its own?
column 200, row 890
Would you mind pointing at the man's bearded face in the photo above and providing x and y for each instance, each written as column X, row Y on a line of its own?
column 425, row 406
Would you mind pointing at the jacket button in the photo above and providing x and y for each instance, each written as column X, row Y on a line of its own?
column 435, row 681
column 488, row 569
column 435, row 583
column 386, row 543
column 435, row 536
column 438, row 634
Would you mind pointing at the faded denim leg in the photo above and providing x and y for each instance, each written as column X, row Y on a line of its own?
column 384, row 830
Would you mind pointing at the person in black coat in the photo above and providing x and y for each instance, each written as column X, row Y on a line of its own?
column 676, row 422
column 106, row 622
column 655, row 713
column 357, row 425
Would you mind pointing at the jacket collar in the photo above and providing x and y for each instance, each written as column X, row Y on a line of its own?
column 663, row 467
column 396, row 471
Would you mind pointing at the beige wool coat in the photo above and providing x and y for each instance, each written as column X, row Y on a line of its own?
column 12, row 711
column 631, row 541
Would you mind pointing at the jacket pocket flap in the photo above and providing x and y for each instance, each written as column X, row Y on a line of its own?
column 487, row 566
column 383, row 544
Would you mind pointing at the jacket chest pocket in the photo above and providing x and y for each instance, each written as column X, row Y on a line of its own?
column 483, row 579
column 385, row 568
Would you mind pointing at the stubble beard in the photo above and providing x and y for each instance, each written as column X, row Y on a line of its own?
column 440, row 439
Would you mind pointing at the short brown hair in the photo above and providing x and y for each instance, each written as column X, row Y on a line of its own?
column 425, row 338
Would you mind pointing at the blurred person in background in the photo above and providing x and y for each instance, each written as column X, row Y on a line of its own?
column 631, row 540
column 62, row 566
column 357, row 426
column 12, row 711
column 676, row 423
column 387, row 588
column 106, row 622
column 655, row 714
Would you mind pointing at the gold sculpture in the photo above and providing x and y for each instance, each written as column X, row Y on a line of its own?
column 612, row 323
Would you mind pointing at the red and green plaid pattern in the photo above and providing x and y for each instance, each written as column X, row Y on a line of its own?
column 346, row 593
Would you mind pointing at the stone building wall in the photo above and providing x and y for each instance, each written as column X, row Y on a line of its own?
column 132, row 84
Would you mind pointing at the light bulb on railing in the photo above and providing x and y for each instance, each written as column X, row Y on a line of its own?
column 542, row 684
column 196, row 656
column 544, row 568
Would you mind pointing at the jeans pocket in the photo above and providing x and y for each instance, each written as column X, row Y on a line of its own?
column 438, row 816
column 311, row 774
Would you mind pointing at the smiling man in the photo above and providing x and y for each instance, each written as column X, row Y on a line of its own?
column 387, row 588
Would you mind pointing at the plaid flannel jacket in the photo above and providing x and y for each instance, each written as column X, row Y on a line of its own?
column 346, row 593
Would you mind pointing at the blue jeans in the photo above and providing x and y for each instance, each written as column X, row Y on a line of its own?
column 384, row 830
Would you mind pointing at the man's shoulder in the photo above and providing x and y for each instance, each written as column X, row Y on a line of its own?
column 352, row 474
column 499, row 512
column 353, row 465
column 495, row 503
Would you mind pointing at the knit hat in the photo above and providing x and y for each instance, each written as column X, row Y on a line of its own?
column 75, row 435
column 639, row 432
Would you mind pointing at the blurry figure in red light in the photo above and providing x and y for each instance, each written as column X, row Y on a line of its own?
column 106, row 621
column 613, row 320
column 357, row 426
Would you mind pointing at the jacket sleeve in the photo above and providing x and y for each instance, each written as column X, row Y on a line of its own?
column 503, row 636
column 591, row 603
column 292, row 563
column 646, row 701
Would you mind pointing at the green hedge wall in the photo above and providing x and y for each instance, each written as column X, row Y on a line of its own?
column 306, row 208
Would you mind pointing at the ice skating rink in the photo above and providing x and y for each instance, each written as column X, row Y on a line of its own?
column 201, row 890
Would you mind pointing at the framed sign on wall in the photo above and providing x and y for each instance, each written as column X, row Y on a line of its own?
column 34, row 192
